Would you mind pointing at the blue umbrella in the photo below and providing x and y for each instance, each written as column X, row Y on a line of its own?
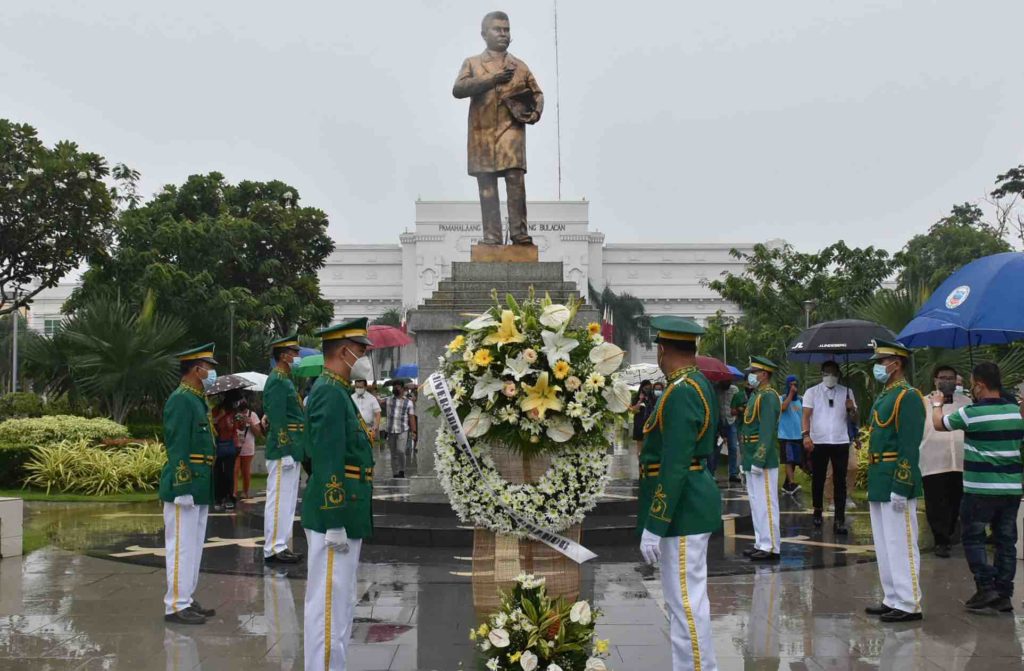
column 736, row 372
column 980, row 304
column 407, row 370
column 303, row 352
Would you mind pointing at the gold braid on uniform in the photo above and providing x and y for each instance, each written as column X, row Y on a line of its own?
column 655, row 420
column 751, row 418
column 895, row 409
column 707, row 408
column 184, row 386
column 331, row 375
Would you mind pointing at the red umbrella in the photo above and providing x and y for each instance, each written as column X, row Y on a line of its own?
column 713, row 369
column 384, row 337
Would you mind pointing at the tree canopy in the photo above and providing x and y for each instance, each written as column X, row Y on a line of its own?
column 55, row 211
column 207, row 247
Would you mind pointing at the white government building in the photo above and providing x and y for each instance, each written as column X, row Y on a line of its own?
column 373, row 278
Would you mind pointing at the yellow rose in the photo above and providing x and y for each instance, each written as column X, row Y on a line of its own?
column 561, row 369
column 593, row 328
column 483, row 357
column 601, row 646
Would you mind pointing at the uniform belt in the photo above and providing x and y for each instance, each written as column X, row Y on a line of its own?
column 296, row 427
column 884, row 457
column 363, row 474
column 653, row 470
column 201, row 459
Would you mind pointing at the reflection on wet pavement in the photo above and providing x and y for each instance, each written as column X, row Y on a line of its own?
column 68, row 606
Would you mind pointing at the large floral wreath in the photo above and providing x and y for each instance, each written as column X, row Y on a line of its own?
column 523, row 378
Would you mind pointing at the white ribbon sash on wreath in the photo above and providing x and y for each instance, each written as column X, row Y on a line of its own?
column 443, row 397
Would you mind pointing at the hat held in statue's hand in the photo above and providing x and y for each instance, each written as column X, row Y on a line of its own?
column 521, row 104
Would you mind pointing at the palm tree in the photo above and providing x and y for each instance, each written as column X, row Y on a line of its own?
column 628, row 314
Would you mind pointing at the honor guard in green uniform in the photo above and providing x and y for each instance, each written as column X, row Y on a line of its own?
column 186, row 485
column 336, row 506
column 894, row 484
column 286, row 439
column 680, row 505
column 759, row 443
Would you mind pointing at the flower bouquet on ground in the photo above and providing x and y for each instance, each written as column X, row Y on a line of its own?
column 525, row 380
column 533, row 632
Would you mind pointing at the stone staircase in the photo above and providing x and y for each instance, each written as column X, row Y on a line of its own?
column 469, row 289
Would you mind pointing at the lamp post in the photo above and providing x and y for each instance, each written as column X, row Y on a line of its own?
column 14, row 346
column 809, row 306
column 725, row 337
column 231, row 353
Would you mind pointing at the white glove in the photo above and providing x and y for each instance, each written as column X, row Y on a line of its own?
column 287, row 463
column 650, row 547
column 899, row 503
column 184, row 501
column 337, row 540
column 756, row 470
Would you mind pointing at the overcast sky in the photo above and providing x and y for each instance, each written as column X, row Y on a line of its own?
column 810, row 120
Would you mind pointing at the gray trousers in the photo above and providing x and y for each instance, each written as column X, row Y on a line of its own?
column 396, row 444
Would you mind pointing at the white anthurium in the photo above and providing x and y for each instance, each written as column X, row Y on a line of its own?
column 606, row 358
column 498, row 638
column 595, row 664
column 483, row 321
column 477, row 423
column 528, row 661
column 557, row 346
column 517, row 367
column 617, row 396
column 555, row 316
column 487, row 386
column 553, row 667
column 560, row 429
column 580, row 613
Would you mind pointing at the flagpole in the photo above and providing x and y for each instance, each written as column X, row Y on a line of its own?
column 558, row 108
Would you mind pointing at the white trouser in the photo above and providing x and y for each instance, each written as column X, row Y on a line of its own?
column 282, row 626
column 279, row 513
column 684, row 581
column 762, row 638
column 899, row 560
column 184, row 535
column 763, row 491
column 330, row 602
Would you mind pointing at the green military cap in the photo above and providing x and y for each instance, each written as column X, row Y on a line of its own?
column 676, row 328
column 763, row 363
column 287, row 342
column 887, row 348
column 355, row 329
column 201, row 353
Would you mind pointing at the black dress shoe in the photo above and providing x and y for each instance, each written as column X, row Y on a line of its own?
column 185, row 617
column 764, row 555
column 942, row 551
column 297, row 556
column 896, row 615
column 750, row 550
column 282, row 557
column 880, row 609
column 817, row 520
column 839, row 528
column 205, row 612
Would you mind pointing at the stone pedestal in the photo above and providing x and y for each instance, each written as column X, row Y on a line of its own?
column 11, row 526
column 479, row 253
column 468, row 293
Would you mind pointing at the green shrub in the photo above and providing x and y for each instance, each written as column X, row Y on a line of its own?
column 77, row 466
column 44, row 431
column 12, row 465
column 20, row 404
column 146, row 431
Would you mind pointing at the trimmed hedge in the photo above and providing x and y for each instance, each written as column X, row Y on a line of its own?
column 18, row 437
column 20, row 404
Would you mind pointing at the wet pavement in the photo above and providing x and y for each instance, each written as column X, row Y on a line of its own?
column 90, row 598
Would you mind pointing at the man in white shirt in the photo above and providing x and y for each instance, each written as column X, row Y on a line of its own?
column 369, row 407
column 829, row 407
column 942, row 464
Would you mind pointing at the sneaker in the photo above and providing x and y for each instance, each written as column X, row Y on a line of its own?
column 982, row 599
column 1002, row 605
column 735, row 480
column 230, row 505
column 942, row 551
column 795, row 488
column 851, row 504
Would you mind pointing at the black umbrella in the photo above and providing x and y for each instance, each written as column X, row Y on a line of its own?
column 227, row 383
column 847, row 339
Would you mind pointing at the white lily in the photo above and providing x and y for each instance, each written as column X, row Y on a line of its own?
column 483, row 321
column 477, row 423
column 606, row 358
column 557, row 346
column 560, row 429
column 555, row 316
column 487, row 386
column 517, row 367
column 618, row 396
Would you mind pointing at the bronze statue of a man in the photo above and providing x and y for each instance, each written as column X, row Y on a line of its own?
column 504, row 97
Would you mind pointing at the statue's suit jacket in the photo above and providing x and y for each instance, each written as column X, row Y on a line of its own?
column 497, row 141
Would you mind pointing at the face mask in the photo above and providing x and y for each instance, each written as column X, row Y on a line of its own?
column 946, row 387
column 657, row 393
column 752, row 380
column 830, row 381
column 958, row 389
column 362, row 369
column 360, row 392
column 211, row 375
column 881, row 372
column 296, row 361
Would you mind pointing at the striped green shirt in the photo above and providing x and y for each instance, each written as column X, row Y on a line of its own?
column 993, row 431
